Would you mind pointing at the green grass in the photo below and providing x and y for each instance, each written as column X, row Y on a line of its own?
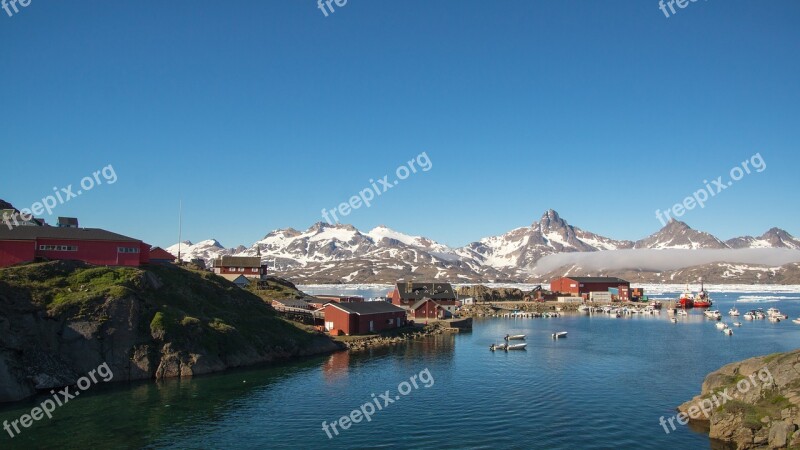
column 195, row 310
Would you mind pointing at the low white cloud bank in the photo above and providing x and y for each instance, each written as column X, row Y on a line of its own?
column 662, row 260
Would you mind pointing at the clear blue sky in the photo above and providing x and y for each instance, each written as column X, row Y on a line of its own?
column 258, row 114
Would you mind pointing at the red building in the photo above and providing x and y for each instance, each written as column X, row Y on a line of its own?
column 160, row 256
column 429, row 309
column 249, row 266
column 580, row 286
column 363, row 318
column 406, row 294
column 91, row 245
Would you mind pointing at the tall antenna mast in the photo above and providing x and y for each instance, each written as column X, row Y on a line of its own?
column 180, row 228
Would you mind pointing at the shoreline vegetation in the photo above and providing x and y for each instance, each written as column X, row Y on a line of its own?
column 60, row 319
column 758, row 415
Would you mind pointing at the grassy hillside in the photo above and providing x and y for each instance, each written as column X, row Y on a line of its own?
column 151, row 322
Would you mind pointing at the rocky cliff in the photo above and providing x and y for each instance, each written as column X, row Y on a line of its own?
column 60, row 320
column 752, row 404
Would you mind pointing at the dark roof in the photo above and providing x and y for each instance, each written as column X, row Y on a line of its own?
column 418, row 291
column 238, row 261
column 25, row 233
column 598, row 280
column 368, row 308
column 293, row 303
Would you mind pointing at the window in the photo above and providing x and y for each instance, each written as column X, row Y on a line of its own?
column 241, row 269
column 127, row 250
column 254, row 270
column 58, row 248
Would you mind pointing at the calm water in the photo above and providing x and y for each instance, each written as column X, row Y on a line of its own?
column 603, row 387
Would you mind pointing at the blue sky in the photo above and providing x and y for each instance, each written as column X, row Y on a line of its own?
column 257, row 115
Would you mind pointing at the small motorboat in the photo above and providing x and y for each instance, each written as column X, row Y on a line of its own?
column 721, row 325
column 515, row 337
column 797, row 321
column 733, row 312
column 737, row 324
column 683, row 312
column 775, row 319
column 728, row 331
column 498, row 347
column 516, row 346
column 559, row 335
column 673, row 320
column 749, row 316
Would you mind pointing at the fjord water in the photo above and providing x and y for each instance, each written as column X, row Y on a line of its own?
column 605, row 386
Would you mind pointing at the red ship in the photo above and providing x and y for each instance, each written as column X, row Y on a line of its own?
column 702, row 299
column 687, row 299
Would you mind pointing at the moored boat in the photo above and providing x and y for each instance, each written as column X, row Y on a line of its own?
column 733, row 312
column 516, row 347
column 702, row 299
column 721, row 325
column 728, row 331
column 686, row 300
column 494, row 347
column 515, row 337
column 559, row 335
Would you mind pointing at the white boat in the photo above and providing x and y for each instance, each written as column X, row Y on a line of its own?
column 775, row 312
column 682, row 312
column 728, row 331
column 774, row 319
column 515, row 337
column 559, row 335
column 760, row 315
column 584, row 308
column 674, row 320
column 749, row 316
column 494, row 347
column 733, row 312
column 721, row 325
column 797, row 321
column 516, row 347
column 713, row 314
column 737, row 324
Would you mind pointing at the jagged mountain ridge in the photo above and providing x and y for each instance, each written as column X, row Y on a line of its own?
column 341, row 253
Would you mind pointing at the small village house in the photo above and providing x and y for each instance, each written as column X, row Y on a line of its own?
column 431, row 310
column 237, row 279
column 407, row 293
column 362, row 318
column 291, row 303
column 249, row 266
column 340, row 298
column 160, row 256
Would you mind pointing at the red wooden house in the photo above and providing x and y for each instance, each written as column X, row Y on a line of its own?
column 406, row 294
column 91, row 245
column 160, row 256
column 249, row 266
column 583, row 286
column 363, row 318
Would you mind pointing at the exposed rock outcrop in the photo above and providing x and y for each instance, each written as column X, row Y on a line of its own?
column 60, row 320
column 754, row 404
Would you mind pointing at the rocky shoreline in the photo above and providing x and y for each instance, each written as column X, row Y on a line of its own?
column 753, row 404
column 360, row 344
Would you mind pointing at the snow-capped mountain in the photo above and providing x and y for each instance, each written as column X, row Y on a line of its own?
column 774, row 238
column 521, row 247
column 328, row 253
column 205, row 250
column 678, row 235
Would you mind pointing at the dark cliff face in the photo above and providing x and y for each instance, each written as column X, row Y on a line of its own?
column 752, row 404
column 59, row 320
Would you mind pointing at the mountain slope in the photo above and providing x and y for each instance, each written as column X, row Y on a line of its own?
column 678, row 235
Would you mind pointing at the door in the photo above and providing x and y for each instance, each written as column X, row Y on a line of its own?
column 371, row 326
